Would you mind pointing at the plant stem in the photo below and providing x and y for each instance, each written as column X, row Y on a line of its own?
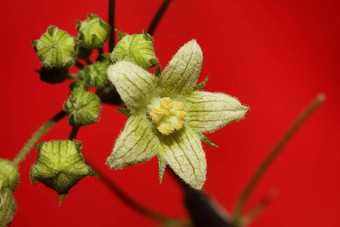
column 78, row 64
column 272, row 155
column 74, row 132
column 73, row 77
column 158, row 17
column 124, row 197
column 129, row 201
column 37, row 135
column 111, row 20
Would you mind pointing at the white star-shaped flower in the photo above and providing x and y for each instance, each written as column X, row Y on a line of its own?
column 168, row 115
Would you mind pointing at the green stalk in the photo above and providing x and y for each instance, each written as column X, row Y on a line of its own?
column 37, row 135
column 272, row 155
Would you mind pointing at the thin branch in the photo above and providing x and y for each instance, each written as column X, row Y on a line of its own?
column 78, row 64
column 37, row 135
column 124, row 197
column 111, row 20
column 259, row 208
column 158, row 16
column 129, row 201
column 74, row 132
column 273, row 154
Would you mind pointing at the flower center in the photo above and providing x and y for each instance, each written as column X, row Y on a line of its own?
column 168, row 115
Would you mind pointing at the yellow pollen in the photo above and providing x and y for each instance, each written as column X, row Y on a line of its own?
column 168, row 115
column 166, row 102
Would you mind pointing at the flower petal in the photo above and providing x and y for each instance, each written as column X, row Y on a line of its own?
column 210, row 111
column 137, row 143
column 182, row 73
column 183, row 152
column 133, row 83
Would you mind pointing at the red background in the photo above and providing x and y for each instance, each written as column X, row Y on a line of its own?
column 274, row 55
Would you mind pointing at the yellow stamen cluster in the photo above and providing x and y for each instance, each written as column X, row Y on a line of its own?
column 169, row 115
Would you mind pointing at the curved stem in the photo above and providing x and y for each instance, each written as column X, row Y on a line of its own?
column 111, row 20
column 124, row 197
column 129, row 201
column 158, row 16
column 37, row 135
column 272, row 155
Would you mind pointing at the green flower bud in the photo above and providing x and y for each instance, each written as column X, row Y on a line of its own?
column 78, row 86
column 137, row 48
column 8, row 207
column 60, row 165
column 53, row 75
column 9, row 176
column 93, row 32
column 82, row 107
column 94, row 75
column 56, row 48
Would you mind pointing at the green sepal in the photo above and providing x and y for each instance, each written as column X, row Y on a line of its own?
column 158, row 72
column 79, row 85
column 162, row 166
column 206, row 140
column 124, row 111
column 202, row 84
column 147, row 36
column 61, row 198
column 120, row 34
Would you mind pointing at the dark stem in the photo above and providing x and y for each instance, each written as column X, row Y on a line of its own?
column 158, row 17
column 78, row 64
column 272, row 155
column 74, row 132
column 111, row 20
column 124, row 197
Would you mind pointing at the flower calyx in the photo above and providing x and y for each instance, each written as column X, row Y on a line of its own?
column 56, row 48
column 60, row 165
column 93, row 32
column 82, row 108
column 136, row 48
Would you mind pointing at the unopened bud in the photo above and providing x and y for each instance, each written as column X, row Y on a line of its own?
column 137, row 48
column 8, row 207
column 82, row 108
column 93, row 32
column 9, row 176
column 60, row 165
column 94, row 75
column 56, row 48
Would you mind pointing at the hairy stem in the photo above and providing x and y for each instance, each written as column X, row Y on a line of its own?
column 272, row 155
column 158, row 17
column 111, row 20
column 37, row 135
